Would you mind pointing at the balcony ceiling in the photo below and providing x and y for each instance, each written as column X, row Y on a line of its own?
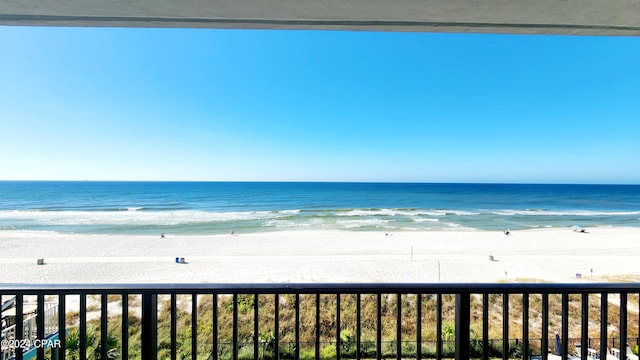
column 568, row 17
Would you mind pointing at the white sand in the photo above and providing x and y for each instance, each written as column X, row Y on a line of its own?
column 555, row 255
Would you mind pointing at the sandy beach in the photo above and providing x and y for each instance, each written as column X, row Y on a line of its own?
column 552, row 255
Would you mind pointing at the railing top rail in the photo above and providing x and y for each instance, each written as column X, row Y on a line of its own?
column 363, row 288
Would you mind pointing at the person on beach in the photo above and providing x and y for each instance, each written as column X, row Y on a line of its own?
column 579, row 229
column 162, row 236
column 507, row 232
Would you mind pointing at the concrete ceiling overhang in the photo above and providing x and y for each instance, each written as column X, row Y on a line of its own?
column 567, row 17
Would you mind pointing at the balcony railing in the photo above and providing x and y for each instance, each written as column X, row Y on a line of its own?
column 278, row 321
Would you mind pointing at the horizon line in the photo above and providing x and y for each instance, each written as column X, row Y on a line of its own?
column 326, row 182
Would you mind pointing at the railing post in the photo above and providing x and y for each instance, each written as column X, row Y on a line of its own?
column 505, row 326
column 173, row 329
column 485, row 326
column 338, row 339
column 149, row 329
column 1, row 347
column 297, row 331
column 584, row 343
column 399, row 326
column 623, row 325
column 19, row 323
column 419, row 326
column 544, row 348
column 565, row 326
column 525, row 326
column 463, row 323
column 214, row 319
column 103, row 325
column 62, row 327
column 439, row 326
column 234, row 345
column 256, row 320
column 276, row 327
column 194, row 326
column 125, row 326
column 358, row 326
column 317, row 345
column 379, row 326
column 40, row 325
column 83, row 326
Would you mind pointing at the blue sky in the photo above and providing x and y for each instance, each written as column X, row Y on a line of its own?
column 249, row 105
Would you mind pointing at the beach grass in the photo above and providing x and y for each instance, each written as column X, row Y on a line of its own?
column 368, row 335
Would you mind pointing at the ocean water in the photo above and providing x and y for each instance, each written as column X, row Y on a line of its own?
column 192, row 208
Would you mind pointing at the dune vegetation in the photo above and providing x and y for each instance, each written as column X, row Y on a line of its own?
column 347, row 335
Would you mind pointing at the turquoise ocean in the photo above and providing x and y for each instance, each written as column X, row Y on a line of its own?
column 198, row 208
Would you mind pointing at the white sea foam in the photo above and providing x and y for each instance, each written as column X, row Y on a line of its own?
column 512, row 212
column 280, row 223
column 370, row 212
column 461, row 212
column 457, row 227
column 141, row 220
column 350, row 224
column 134, row 217
column 419, row 220
column 289, row 212
column 308, row 224
column 403, row 212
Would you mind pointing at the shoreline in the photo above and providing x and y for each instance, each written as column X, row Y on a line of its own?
column 323, row 256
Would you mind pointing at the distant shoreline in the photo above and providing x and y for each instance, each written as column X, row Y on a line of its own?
column 324, row 182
